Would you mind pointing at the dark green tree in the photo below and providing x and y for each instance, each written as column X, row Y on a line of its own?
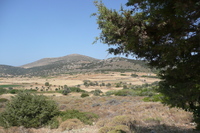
column 28, row 110
column 47, row 84
column 165, row 33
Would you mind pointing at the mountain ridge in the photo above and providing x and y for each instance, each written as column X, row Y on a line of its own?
column 73, row 63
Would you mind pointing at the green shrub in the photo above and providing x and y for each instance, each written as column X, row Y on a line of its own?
column 118, row 85
column 125, row 87
column 31, row 90
column 47, row 84
column 53, row 123
column 123, row 93
column 154, row 98
column 2, row 91
column 85, row 117
column 3, row 100
column 108, row 85
column 13, row 91
column 28, row 110
column 76, row 89
column 66, row 91
column 109, row 93
column 146, row 92
column 84, row 95
column 134, row 75
column 97, row 92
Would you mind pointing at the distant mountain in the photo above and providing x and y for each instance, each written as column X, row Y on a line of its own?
column 60, row 60
column 73, row 63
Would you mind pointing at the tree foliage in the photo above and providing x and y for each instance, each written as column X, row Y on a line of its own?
column 165, row 33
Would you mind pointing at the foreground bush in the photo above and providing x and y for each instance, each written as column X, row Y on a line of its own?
column 28, row 110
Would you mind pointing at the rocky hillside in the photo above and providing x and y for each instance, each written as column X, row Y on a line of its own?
column 73, row 63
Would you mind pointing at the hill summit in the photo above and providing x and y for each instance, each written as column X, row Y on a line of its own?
column 65, row 59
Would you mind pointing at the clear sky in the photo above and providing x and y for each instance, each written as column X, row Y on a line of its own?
column 34, row 29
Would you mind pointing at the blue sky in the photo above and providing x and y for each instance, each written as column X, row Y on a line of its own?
column 34, row 29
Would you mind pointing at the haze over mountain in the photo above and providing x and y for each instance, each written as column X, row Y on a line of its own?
column 73, row 63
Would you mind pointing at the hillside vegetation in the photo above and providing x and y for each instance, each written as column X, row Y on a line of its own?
column 72, row 64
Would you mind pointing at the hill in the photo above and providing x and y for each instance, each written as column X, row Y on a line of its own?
column 6, row 70
column 60, row 60
column 73, row 63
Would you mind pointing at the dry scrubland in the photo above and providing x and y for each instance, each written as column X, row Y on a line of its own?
column 115, row 112
column 73, row 80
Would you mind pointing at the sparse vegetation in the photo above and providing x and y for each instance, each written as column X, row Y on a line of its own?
column 133, row 90
column 108, row 103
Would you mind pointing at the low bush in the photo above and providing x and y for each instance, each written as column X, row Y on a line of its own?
column 66, row 91
column 31, row 90
column 96, row 92
column 28, row 110
column 118, row 124
column 85, row 117
column 2, row 91
column 124, row 93
column 54, row 122
column 146, row 92
column 76, row 89
column 134, row 75
column 13, row 91
column 84, row 95
column 71, row 124
column 3, row 100
column 109, row 93
column 154, row 98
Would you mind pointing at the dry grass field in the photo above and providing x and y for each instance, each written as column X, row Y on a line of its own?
column 73, row 80
column 126, row 111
